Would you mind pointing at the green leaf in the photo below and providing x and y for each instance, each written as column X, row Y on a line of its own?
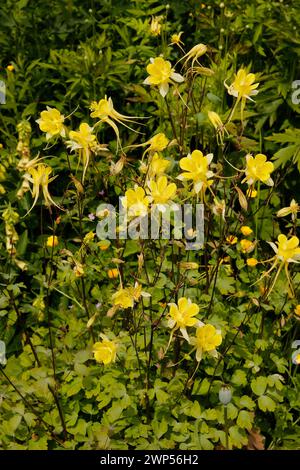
column 245, row 420
column 210, row 414
column 205, row 443
column 162, row 397
column 247, row 402
column 259, row 385
column 159, row 428
column 201, row 387
column 237, row 436
column 276, row 380
column 225, row 284
column 239, row 377
column 266, row 403
column 232, row 411
column 195, row 410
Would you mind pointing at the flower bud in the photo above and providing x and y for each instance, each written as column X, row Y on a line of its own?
column 225, row 395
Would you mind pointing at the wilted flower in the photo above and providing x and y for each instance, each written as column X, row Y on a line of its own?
column 78, row 269
column 155, row 25
column 219, row 207
column 293, row 208
column 194, row 53
column 161, row 74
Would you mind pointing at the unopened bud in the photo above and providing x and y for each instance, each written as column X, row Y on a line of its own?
column 225, row 395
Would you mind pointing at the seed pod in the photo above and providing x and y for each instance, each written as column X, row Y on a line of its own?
column 225, row 395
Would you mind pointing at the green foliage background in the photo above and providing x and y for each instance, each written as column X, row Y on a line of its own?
column 53, row 395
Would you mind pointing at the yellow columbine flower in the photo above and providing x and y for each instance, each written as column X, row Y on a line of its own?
column 83, row 140
column 52, row 241
column 161, row 192
column 39, row 177
column 258, row 169
column 161, row 74
column 247, row 246
column 196, row 166
column 243, row 85
column 218, row 125
column 207, row 340
column 231, row 239
column 104, row 110
column 297, row 310
column 242, row 88
column 158, row 142
column 252, row 262
column 105, row 351
column 286, row 251
column 125, row 298
column 251, row 192
column 246, row 230
column 194, row 53
column 175, row 38
column 181, row 315
column 155, row 26
column 293, row 208
column 51, row 122
column 156, row 167
column 296, row 358
column 136, row 202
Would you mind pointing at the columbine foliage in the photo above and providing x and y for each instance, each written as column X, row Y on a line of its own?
column 117, row 344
